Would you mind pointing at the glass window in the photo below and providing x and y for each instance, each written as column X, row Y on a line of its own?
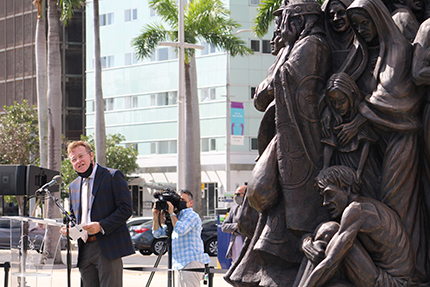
column 134, row 14
column 109, row 20
column 152, row 12
column 204, row 94
column 108, row 103
column 127, row 15
column 102, row 20
column 153, row 100
column 127, row 102
column 127, row 59
column 255, row 2
column 103, row 61
column 163, row 147
column 213, row 144
column 212, row 93
column 173, row 98
column 252, row 92
column 135, row 101
column 173, row 146
column 266, row 47
column 205, row 145
column 163, row 54
column 255, row 45
column 162, row 99
column 110, row 61
column 254, row 144
column 153, row 148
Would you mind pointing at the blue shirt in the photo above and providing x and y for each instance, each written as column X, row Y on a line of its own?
column 187, row 244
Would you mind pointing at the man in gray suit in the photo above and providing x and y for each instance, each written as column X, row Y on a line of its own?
column 230, row 225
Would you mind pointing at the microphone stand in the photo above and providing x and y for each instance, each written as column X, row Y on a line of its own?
column 67, row 219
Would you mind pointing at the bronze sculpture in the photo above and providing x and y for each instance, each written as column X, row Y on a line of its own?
column 371, row 120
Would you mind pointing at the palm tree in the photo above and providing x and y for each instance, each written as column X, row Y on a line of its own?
column 54, row 99
column 41, row 82
column 99, row 124
column 204, row 20
column 265, row 16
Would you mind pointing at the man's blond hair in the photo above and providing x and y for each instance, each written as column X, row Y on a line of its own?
column 76, row 144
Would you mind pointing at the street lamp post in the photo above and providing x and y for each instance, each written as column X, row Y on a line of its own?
column 181, row 45
column 228, row 121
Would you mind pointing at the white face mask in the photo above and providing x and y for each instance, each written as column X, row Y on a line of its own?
column 238, row 199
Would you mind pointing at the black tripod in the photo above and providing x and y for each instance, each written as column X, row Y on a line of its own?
column 167, row 244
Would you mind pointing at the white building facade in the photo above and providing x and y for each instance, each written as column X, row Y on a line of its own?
column 141, row 100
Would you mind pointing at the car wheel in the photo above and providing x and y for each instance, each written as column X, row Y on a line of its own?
column 157, row 245
column 212, row 247
column 145, row 251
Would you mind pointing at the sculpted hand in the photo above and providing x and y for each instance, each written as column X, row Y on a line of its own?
column 92, row 227
column 347, row 132
column 314, row 250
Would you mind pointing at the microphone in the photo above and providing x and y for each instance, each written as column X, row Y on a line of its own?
column 55, row 180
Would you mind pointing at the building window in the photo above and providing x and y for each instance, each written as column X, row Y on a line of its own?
column 163, row 147
column 163, row 54
column 255, row 2
column 212, row 92
column 108, row 103
column 135, row 102
column 255, row 45
column 173, row 98
column 266, row 47
column 127, row 59
column 106, row 19
column 164, row 99
column 127, row 102
column 173, row 146
column 252, row 92
column 208, row 144
column 107, row 61
column 213, row 144
column 130, row 15
column 153, row 148
column 254, row 144
column 152, row 12
column 204, row 94
column 205, row 145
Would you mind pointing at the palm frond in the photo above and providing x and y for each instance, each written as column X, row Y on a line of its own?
column 265, row 16
column 209, row 21
column 67, row 7
column 167, row 9
column 146, row 43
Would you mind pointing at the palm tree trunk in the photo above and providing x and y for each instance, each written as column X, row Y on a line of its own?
column 54, row 106
column 99, row 123
column 41, row 82
column 192, row 136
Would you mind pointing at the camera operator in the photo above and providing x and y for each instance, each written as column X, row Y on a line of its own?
column 187, row 245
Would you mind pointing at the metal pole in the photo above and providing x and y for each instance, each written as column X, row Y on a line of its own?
column 181, row 101
column 228, row 133
column 228, row 116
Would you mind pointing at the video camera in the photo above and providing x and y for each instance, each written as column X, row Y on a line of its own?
column 168, row 195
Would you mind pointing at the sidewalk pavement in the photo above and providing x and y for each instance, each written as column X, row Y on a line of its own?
column 130, row 278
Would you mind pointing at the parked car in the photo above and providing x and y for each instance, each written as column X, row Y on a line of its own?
column 147, row 244
column 135, row 222
column 210, row 237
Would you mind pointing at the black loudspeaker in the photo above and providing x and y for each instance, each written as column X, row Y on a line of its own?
column 37, row 177
column 12, row 179
column 24, row 180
